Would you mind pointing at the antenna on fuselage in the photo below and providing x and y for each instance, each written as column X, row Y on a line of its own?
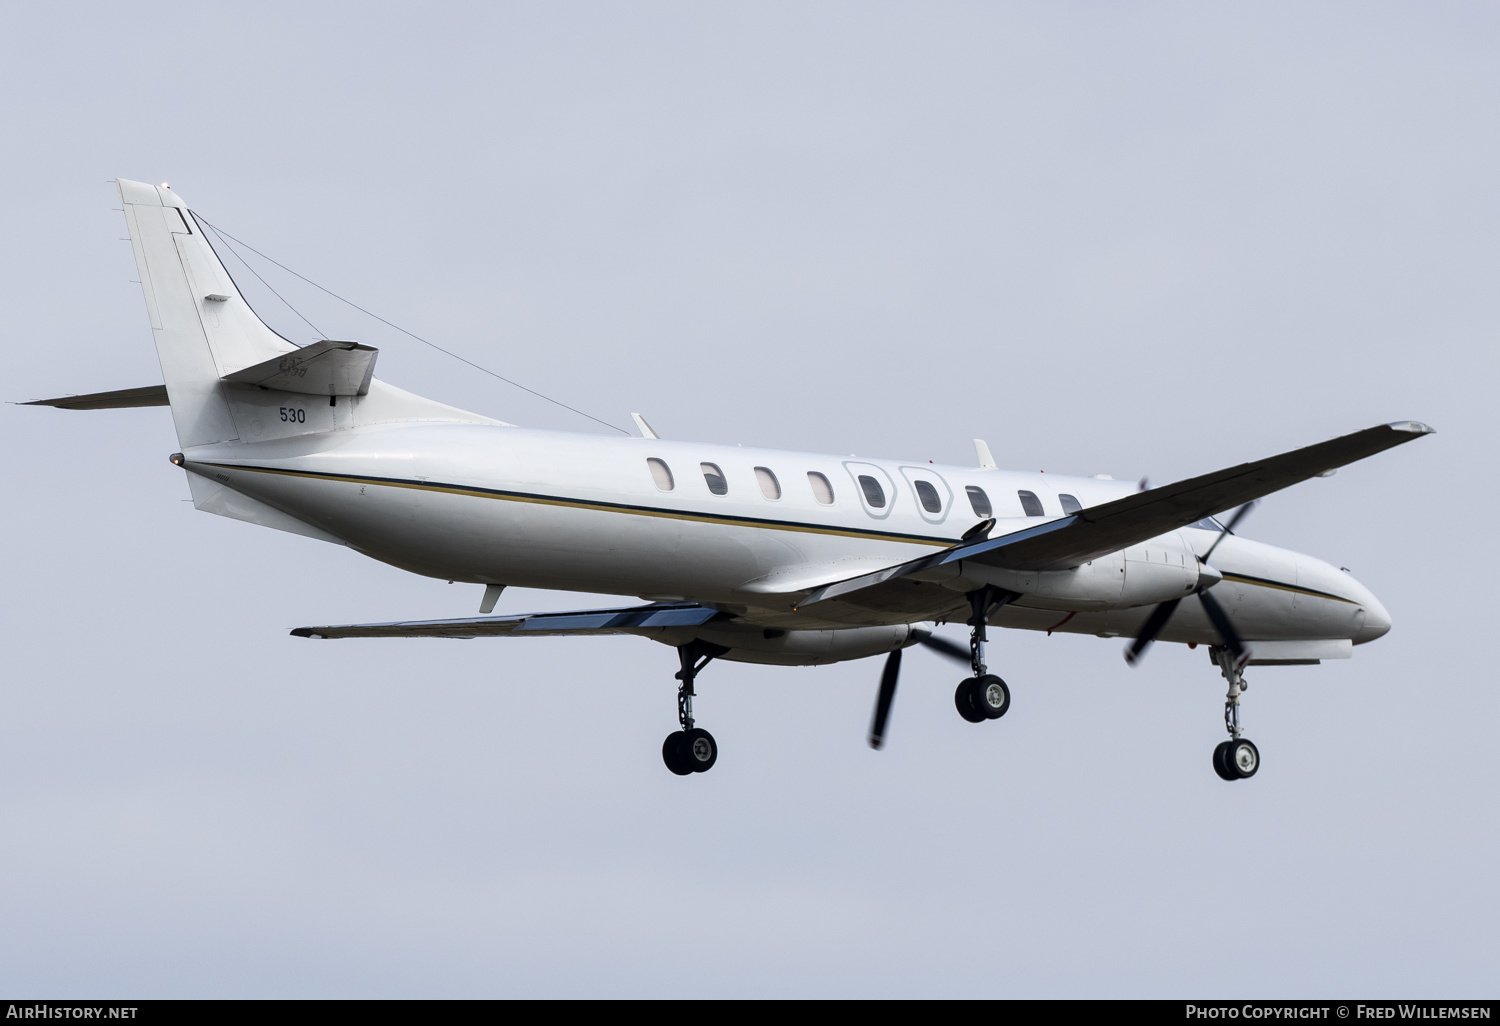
column 645, row 429
column 982, row 450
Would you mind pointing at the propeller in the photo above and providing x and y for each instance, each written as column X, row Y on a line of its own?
column 1211, row 607
column 892, row 673
column 883, row 700
column 942, row 646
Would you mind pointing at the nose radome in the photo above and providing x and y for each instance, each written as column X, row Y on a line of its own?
column 1377, row 620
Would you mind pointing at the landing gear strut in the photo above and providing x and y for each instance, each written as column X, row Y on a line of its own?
column 1237, row 758
column 691, row 749
column 982, row 696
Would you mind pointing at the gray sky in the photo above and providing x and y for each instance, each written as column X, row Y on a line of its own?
column 1134, row 239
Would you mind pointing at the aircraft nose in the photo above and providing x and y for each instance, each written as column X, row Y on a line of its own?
column 1377, row 621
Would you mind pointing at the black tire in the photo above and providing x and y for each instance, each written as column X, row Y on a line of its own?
column 699, row 751
column 1242, row 758
column 1221, row 766
column 672, row 753
column 990, row 696
column 963, row 700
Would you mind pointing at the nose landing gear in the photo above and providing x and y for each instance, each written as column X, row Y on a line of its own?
column 691, row 749
column 1237, row 758
column 983, row 696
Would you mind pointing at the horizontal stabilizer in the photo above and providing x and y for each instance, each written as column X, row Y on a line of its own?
column 119, row 399
column 1112, row 526
column 323, row 368
column 590, row 621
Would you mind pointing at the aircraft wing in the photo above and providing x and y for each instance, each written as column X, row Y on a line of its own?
column 1099, row 530
column 587, row 621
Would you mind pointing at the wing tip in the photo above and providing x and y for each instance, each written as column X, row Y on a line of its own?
column 1413, row 427
column 307, row 632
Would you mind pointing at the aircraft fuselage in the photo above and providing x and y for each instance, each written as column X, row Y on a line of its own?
column 747, row 529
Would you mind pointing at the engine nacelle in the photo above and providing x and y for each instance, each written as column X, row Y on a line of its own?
column 1161, row 570
column 749, row 644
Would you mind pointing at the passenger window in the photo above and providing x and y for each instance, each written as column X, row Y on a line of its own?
column 821, row 489
column 874, row 494
column 979, row 502
column 1031, row 504
column 715, row 478
column 661, row 474
column 928, row 496
column 769, row 486
column 1208, row 524
column 1070, row 504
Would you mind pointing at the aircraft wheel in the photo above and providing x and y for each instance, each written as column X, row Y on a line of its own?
column 1221, row 766
column 991, row 696
column 967, row 702
column 1242, row 758
column 699, row 750
column 672, row 753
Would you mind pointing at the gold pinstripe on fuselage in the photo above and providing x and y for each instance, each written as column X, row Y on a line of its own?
column 690, row 516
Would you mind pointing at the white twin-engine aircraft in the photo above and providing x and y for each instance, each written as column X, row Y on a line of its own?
column 754, row 555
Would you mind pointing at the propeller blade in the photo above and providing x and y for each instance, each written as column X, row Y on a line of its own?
column 1239, row 515
column 1220, row 620
column 1234, row 522
column 1154, row 623
column 942, row 646
column 883, row 700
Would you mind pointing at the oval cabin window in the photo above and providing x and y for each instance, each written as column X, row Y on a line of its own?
column 874, row 494
column 979, row 502
column 1070, row 504
column 821, row 489
column 715, row 478
column 661, row 474
column 1030, row 503
column 769, row 486
column 928, row 496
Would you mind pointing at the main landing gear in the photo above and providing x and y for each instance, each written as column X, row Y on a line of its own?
column 1237, row 758
column 982, row 696
column 691, row 749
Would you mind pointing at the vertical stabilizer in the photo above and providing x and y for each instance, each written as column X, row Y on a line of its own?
column 204, row 329
column 206, row 334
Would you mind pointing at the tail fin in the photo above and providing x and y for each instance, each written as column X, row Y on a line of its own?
column 204, row 329
column 206, row 335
